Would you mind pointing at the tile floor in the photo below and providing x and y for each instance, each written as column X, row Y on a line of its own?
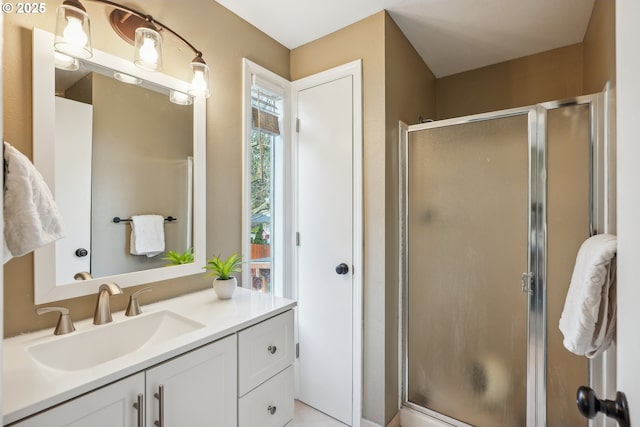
column 306, row 416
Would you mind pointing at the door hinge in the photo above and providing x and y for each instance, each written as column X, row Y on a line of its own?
column 297, row 238
column 527, row 282
column 297, row 124
column 297, row 350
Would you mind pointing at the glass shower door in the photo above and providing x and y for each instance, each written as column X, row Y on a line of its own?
column 467, row 246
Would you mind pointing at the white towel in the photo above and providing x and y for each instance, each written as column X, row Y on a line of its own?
column 31, row 217
column 147, row 235
column 588, row 319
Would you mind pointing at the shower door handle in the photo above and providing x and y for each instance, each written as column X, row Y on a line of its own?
column 527, row 282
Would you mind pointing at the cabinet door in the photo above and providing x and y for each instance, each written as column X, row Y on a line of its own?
column 197, row 389
column 110, row 406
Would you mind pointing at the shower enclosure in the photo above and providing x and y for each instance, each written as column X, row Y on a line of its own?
column 494, row 208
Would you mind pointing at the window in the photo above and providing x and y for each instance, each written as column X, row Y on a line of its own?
column 265, row 181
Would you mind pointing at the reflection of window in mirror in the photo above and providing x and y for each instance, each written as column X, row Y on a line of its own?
column 265, row 204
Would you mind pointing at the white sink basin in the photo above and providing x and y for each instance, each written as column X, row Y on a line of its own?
column 82, row 350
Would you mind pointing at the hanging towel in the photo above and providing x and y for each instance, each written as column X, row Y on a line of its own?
column 147, row 235
column 588, row 319
column 31, row 217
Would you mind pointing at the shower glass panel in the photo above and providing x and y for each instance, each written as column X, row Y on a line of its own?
column 568, row 221
column 467, row 247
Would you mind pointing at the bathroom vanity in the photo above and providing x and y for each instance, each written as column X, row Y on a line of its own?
column 189, row 361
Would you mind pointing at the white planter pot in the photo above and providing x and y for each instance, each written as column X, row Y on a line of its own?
column 224, row 288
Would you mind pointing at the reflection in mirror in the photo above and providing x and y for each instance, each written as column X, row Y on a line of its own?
column 109, row 165
column 124, row 147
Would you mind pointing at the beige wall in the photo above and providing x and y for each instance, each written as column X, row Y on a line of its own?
column 224, row 40
column 410, row 92
column 600, row 47
column 537, row 78
column 568, row 71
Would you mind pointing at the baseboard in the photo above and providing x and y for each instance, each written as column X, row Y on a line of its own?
column 395, row 422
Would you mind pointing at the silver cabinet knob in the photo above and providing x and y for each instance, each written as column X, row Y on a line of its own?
column 272, row 349
column 272, row 409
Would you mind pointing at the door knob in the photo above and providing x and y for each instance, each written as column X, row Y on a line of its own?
column 589, row 405
column 342, row 268
column 81, row 252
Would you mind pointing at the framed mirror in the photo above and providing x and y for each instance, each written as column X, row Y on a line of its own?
column 114, row 142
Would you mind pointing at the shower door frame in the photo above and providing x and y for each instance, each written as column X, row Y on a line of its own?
column 601, row 371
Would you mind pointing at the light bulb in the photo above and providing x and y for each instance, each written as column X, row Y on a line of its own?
column 198, row 84
column 74, row 33
column 148, row 52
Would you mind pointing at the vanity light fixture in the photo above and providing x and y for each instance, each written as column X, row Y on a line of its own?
column 180, row 98
column 126, row 78
column 73, row 38
column 66, row 62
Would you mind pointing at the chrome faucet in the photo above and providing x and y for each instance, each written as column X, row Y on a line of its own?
column 103, row 307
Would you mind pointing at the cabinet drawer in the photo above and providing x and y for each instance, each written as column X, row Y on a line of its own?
column 264, row 350
column 269, row 405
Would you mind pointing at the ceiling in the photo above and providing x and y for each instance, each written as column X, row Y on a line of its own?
column 451, row 36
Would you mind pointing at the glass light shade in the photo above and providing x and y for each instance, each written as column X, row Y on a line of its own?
column 126, row 78
column 180, row 98
column 65, row 62
column 200, row 83
column 73, row 35
column 148, row 43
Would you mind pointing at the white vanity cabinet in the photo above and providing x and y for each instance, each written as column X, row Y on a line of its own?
column 265, row 376
column 110, row 406
column 234, row 370
column 196, row 389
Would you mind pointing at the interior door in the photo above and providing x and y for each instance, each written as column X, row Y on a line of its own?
column 74, row 127
column 325, row 251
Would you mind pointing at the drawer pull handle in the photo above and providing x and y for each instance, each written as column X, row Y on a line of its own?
column 272, row 349
column 139, row 405
column 160, row 396
column 271, row 409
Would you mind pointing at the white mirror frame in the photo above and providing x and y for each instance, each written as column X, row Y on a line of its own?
column 45, row 288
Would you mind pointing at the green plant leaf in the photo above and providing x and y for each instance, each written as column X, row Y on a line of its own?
column 177, row 258
column 223, row 268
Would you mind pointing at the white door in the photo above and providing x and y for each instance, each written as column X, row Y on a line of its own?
column 74, row 136
column 628, row 208
column 326, row 251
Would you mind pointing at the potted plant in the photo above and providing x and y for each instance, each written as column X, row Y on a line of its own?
column 177, row 258
column 224, row 283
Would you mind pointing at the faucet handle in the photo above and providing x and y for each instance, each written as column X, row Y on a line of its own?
column 65, row 325
column 133, row 309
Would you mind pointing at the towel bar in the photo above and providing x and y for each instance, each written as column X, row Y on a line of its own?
column 117, row 219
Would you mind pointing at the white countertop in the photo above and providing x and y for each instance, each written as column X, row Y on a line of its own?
column 30, row 387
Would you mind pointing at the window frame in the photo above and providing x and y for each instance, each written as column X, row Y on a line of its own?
column 253, row 73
